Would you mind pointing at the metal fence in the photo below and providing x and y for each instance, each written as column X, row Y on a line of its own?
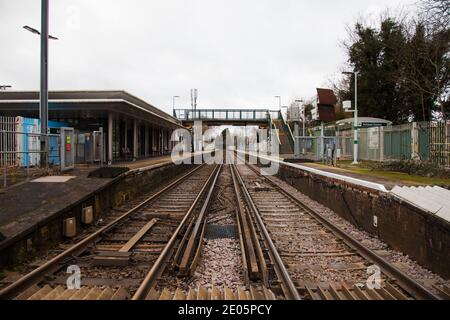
column 20, row 146
column 326, row 148
column 433, row 142
column 424, row 141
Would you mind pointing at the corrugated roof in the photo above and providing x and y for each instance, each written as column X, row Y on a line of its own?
column 435, row 200
column 326, row 96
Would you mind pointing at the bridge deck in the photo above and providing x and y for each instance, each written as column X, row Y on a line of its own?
column 226, row 115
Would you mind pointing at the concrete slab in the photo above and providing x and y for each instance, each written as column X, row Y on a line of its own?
column 54, row 179
column 29, row 204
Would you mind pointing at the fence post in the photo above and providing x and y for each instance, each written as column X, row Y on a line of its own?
column 414, row 141
column 322, row 134
column 5, row 172
column 381, row 135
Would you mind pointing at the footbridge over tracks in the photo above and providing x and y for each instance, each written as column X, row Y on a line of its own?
column 263, row 118
column 218, row 117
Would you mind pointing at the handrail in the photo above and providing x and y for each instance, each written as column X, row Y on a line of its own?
column 289, row 131
column 273, row 127
column 222, row 114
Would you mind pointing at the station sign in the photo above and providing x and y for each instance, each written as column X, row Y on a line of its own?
column 363, row 125
column 67, row 151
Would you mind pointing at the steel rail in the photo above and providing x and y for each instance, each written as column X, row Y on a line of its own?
column 242, row 241
column 257, row 261
column 246, row 241
column 160, row 264
column 193, row 246
column 406, row 282
column 39, row 273
column 287, row 284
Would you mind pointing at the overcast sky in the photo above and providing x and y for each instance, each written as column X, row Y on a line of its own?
column 238, row 53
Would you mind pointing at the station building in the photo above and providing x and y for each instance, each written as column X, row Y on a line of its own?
column 132, row 128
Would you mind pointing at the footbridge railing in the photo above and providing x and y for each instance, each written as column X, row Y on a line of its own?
column 231, row 115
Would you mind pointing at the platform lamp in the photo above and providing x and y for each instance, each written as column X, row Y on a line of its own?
column 355, row 111
column 300, row 102
column 279, row 101
column 43, row 106
column 173, row 105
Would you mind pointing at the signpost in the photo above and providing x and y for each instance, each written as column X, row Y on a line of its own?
column 67, row 149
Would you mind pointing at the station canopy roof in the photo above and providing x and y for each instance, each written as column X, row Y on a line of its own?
column 85, row 104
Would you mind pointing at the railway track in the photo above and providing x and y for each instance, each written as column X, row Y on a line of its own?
column 281, row 249
column 175, row 278
column 125, row 259
column 114, row 260
column 263, row 271
column 321, row 261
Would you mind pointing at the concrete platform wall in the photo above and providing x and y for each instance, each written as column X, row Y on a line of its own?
column 116, row 193
column 422, row 236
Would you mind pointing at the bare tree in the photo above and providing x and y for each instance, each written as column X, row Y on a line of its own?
column 426, row 66
column 436, row 12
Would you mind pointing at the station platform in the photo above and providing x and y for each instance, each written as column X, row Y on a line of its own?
column 389, row 179
column 28, row 205
column 143, row 163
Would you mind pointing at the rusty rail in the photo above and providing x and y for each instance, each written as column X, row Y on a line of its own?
column 53, row 265
column 287, row 284
column 251, row 248
column 410, row 285
column 189, row 250
column 158, row 267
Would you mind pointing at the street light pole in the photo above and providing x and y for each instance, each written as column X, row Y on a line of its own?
column 304, row 116
column 43, row 95
column 355, row 146
column 355, row 122
column 279, row 101
column 43, row 106
column 173, row 105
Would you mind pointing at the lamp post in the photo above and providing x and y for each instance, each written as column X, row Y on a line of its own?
column 355, row 123
column 173, row 105
column 279, row 101
column 296, row 133
column 303, row 117
column 43, row 105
